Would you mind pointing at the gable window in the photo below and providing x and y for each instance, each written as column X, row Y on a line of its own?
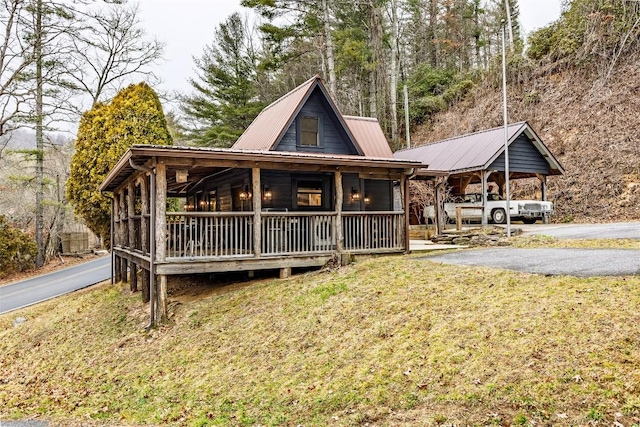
column 309, row 193
column 309, row 131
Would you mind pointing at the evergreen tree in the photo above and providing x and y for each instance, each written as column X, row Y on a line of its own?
column 134, row 116
column 225, row 99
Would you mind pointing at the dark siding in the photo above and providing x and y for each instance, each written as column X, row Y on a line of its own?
column 280, row 185
column 333, row 137
column 380, row 193
column 224, row 184
column 523, row 157
column 350, row 182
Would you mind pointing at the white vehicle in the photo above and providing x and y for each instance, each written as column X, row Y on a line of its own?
column 528, row 211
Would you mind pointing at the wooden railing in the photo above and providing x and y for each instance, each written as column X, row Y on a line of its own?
column 230, row 234
column 209, row 234
column 297, row 232
column 370, row 231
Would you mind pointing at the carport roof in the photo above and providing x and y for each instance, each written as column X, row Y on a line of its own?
column 474, row 151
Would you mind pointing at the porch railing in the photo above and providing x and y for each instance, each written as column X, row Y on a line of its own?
column 297, row 232
column 209, row 234
column 230, row 234
column 365, row 231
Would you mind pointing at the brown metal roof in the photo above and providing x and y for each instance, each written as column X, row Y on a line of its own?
column 475, row 151
column 267, row 128
column 367, row 131
column 141, row 154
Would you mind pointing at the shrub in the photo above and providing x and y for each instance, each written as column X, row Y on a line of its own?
column 17, row 250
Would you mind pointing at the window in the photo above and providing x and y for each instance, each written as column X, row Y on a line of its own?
column 309, row 193
column 309, row 132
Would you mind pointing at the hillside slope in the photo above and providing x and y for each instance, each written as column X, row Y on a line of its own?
column 391, row 341
column 591, row 125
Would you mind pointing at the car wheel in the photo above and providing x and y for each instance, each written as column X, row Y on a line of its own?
column 529, row 220
column 498, row 216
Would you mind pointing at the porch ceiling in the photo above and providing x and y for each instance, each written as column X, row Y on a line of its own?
column 202, row 162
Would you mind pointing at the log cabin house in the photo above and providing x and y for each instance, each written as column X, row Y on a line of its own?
column 303, row 185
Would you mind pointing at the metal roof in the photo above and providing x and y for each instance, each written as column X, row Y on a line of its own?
column 367, row 131
column 265, row 132
column 268, row 127
column 140, row 154
column 474, row 151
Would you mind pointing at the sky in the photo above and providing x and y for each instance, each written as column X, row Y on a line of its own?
column 187, row 26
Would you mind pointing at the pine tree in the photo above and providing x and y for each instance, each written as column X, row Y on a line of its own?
column 225, row 99
column 134, row 116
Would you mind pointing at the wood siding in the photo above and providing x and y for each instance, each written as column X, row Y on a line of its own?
column 333, row 137
column 523, row 157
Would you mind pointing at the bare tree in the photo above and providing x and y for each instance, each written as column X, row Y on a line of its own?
column 110, row 47
column 16, row 56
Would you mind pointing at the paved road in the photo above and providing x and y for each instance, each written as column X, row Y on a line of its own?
column 41, row 288
column 571, row 262
column 616, row 230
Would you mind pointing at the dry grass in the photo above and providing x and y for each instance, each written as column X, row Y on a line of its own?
column 392, row 341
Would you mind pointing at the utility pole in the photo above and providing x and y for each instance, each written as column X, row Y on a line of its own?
column 506, row 131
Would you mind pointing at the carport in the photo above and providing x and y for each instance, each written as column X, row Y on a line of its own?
column 479, row 158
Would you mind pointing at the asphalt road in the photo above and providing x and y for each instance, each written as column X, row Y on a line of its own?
column 615, row 230
column 571, row 262
column 21, row 294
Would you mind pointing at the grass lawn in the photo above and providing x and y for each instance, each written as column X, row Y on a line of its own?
column 391, row 341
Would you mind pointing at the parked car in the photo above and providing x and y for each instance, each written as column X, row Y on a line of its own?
column 528, row 211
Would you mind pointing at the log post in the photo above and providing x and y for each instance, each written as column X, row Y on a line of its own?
column 124, row 232
column 160, row 235
column 131, row 210
column 339, row 202
column 117, row 275
column 483, row 179
column 144, row 239
column 257, row 212
column 404, row 184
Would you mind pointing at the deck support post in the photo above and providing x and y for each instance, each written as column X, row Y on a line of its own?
column 285, row 272
column 257, row 212
column 144, row 232
column 133, row 276
column 117, row 269
column 483, row 180
column 131, row 194
column 160, row 237
column 339, row 202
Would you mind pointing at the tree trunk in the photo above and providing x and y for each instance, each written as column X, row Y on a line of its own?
column 393, row 92
column 39, row 137
column 328, row 37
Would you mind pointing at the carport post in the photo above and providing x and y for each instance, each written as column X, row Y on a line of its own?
column 483, row 179
column 543, row 188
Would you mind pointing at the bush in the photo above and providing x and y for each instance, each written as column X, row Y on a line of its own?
column 17, row 250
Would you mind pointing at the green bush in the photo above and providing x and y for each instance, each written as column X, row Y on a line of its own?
column 17, row 250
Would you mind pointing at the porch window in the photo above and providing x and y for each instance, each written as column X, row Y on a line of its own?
column 309, row 193
column 309, row 132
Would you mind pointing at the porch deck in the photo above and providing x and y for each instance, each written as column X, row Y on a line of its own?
column 200, row 242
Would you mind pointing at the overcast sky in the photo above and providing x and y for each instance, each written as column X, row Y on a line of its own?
column 186, row 26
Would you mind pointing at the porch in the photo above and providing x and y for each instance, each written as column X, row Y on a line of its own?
column 181, row 210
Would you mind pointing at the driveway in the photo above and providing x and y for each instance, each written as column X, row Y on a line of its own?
column 41, row 288
column 614, row 230
column 571, row 262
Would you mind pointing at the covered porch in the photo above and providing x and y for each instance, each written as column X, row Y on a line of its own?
column 179, row 210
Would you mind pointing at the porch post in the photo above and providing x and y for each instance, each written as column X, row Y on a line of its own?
column 116, row 242
column 124, row 221
column 404, row 183
column 483, row 179
column 160, row 237
column 257, row 212
column 339, row 202
column 133, row 275
column 144, row 239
